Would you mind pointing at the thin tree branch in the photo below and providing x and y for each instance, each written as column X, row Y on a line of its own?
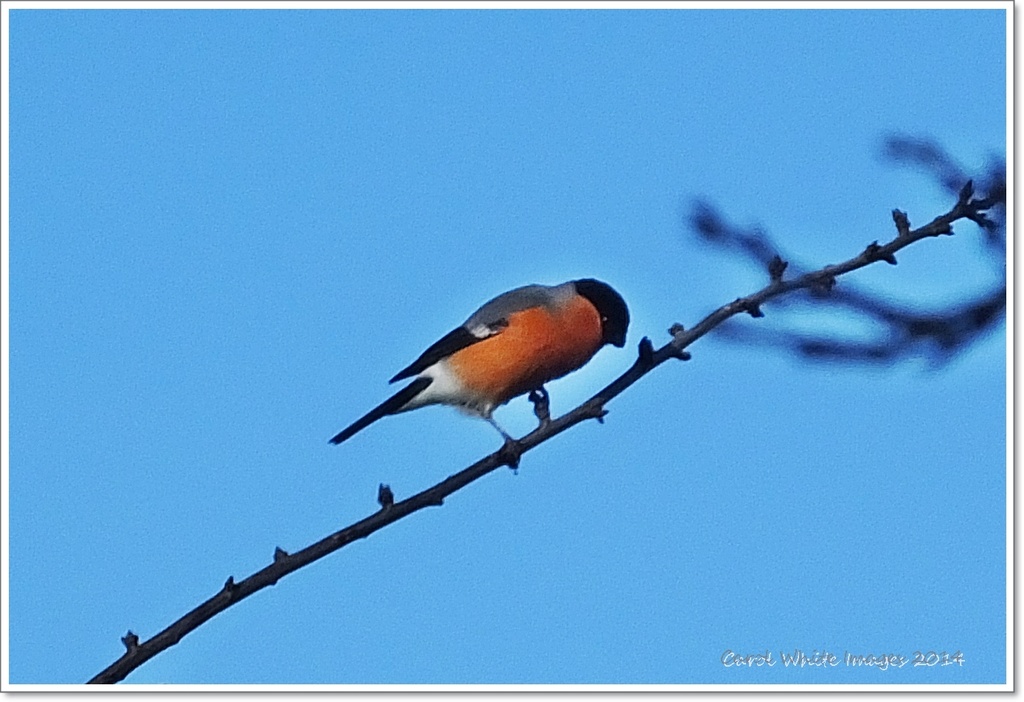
column 941, row 334
column 902, row 330
column 647, row 360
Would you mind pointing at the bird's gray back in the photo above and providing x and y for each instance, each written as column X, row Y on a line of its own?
column 520, row 299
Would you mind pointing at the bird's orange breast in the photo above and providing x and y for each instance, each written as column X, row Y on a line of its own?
column 539, row 344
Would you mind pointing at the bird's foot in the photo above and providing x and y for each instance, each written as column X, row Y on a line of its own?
column 541, row 405
column 510, row 452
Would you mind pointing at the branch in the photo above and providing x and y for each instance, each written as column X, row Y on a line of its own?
column 941, row 333
column 902, row 330
column 647, row 360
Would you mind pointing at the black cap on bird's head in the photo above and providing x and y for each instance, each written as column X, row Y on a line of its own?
column 611, row 307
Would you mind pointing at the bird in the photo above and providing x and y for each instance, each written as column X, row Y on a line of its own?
column 510, row 346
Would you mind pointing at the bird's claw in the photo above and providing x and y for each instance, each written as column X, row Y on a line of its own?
column 541, row 405
column 510, row 452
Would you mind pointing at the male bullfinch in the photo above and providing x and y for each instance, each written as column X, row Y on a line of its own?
column 512, row 345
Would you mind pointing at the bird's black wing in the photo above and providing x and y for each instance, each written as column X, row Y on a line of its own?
column 487, row 321
column 455, row 340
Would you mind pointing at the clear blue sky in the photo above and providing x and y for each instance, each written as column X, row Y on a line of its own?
column 228, row 229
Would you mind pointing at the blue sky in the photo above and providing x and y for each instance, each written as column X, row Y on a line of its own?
column 228, row 229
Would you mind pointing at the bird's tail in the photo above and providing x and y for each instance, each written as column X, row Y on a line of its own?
column 390, row 406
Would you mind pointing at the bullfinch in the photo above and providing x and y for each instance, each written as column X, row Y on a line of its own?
column 512, row 345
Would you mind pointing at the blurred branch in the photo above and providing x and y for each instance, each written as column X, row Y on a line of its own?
column 821, row 281
column 902, row 331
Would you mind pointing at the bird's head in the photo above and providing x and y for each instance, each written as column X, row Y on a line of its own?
column 611, row 307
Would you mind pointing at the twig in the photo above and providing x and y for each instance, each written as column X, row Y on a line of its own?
column 900, row 330
column 647, row 360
